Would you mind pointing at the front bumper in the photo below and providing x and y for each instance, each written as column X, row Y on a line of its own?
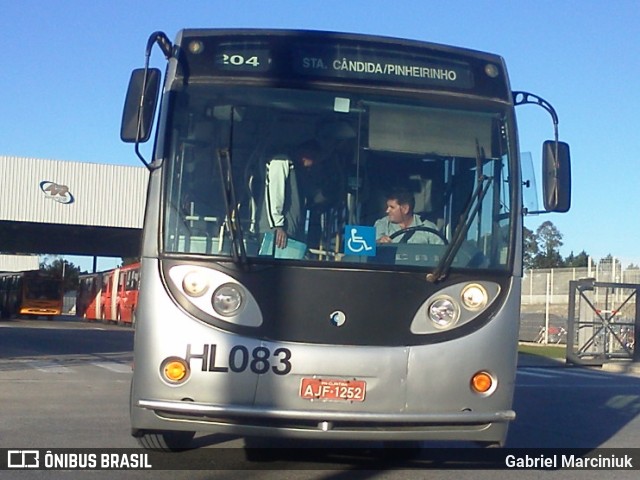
column 327, row 424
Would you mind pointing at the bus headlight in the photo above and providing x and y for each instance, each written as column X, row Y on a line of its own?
column 454, row 306
column 228, row 299
column 195, row 284
column 474, row 296
column 443, row 312
column 212, row 296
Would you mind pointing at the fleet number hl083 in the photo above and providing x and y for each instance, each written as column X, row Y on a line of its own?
column 260, row 360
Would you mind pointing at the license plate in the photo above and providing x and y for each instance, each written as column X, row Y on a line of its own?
column 333, row 389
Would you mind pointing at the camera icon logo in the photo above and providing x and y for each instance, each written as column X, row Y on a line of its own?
column 23, row 459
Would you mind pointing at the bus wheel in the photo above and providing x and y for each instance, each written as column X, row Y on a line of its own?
column 489, row 444
column 164, row 441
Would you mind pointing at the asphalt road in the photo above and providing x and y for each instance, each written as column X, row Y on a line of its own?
column 64, row 384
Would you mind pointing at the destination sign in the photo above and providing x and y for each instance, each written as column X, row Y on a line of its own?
column 290, row 60
column 380, row 65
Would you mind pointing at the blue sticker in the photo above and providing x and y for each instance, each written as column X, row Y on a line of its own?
column 359, row 240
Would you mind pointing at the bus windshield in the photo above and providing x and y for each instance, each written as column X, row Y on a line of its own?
column 364, row 179
column 42, row 288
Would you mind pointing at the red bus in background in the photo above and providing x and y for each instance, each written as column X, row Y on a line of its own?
column 111, row 295
column 87, row 298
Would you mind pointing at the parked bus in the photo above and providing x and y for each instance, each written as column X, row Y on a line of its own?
column 331, row 335
column 87, row 298
column 30, row 293
column 120, row 294
column 111, row 295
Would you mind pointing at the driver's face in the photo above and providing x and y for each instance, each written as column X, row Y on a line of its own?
column 396, row 212
column 307, row 161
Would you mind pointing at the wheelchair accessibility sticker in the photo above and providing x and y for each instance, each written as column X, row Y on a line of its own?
column 359, row 240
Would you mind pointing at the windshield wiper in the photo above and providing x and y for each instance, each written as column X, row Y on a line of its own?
column 238, row 252
column 483, row 182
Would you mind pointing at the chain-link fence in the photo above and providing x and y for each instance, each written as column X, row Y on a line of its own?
column 545, row 298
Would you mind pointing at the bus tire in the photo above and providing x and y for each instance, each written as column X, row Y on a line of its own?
column 164, row 441
column 490, row 444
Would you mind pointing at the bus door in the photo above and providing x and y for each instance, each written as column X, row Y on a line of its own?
column 108, row 297
column 94, row 297
column 86, row 297
column 128, row 294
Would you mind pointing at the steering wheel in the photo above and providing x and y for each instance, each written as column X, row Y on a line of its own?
column 420, row 228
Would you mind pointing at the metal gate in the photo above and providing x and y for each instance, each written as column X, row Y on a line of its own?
column 604, row 322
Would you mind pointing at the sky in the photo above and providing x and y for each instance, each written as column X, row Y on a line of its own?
column 66, row 65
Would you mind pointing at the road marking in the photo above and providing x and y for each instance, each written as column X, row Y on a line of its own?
column 47, row 366
column 60, row 366
column 539, row 377
column 584, row 374
column 113, row 366
column 560, row 372
column 531, row 373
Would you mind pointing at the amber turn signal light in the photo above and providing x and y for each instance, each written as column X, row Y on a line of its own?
column 174, row 370
column 483, row 383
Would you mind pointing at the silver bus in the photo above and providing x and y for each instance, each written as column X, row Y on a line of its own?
column 332, row 244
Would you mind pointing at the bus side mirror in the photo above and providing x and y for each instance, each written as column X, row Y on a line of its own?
column 556, row 176
column 140, row 105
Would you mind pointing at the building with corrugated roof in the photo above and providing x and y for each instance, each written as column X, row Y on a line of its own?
column 19, row 263
column 71, row 208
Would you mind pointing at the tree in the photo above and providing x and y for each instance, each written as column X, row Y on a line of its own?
column 57, row 266
column 608, row 260
column 542, row 249
column 580, row 260
column 549, row 240
column 530, row 248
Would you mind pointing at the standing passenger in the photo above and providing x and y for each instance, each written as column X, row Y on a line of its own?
column 285, row 199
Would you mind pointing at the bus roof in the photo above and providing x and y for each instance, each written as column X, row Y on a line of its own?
column 317, row 56
column 325, row 34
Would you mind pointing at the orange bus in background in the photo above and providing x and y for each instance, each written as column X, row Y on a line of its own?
column 33, row 292
column 111, row 295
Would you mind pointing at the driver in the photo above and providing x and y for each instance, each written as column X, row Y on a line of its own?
column 400, row 216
